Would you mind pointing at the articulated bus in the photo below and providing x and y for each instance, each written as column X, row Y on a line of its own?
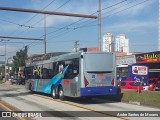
column 79, row 74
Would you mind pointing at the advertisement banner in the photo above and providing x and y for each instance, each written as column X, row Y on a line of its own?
column 148, row 57
column 140, row 70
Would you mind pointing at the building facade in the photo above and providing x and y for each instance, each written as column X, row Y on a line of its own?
column 106, row 44
column 121, row 43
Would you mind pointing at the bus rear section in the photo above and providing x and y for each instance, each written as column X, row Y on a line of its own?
column 98, row 75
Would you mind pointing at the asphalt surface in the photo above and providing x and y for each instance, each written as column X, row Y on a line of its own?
column 18, row 96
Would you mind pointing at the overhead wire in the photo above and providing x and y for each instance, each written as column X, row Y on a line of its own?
column 107, row 12
column 113, row 13
column 44, row 8
column 110, row 14
column 14, row 23
column 83, row 18
column 33, row 17
column 66, row 27
column 46, row 17
column 59, row 35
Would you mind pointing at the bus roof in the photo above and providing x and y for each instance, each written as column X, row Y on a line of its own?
column 65, row 57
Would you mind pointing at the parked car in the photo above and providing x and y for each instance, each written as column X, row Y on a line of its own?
column 157, row 86
column 152, row 83
column 129, row 85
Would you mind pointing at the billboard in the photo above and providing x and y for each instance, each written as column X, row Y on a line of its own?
column 148, row 57
column 139, row 70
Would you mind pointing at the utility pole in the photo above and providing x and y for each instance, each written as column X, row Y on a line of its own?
column 114, row 61
column 46, row 12
column 44, row 37
column 99, row 26
column 76, row 45
column 159, row 27
column 5, row 55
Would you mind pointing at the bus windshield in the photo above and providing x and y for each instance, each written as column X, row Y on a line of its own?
column 122, row 71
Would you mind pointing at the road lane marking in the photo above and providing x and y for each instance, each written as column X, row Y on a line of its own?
column 75, row 105
column 8, row 109
column 79, row 106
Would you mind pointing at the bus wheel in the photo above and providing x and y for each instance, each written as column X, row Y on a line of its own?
column 61, row 94
column 53, row 92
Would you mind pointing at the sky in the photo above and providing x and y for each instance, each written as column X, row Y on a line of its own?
column 137, row 19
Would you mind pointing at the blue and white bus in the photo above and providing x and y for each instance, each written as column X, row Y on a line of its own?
column 133, row 72
column 79, row 74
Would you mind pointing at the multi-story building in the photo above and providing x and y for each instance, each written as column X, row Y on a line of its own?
column 106, row 44
column 121, row 43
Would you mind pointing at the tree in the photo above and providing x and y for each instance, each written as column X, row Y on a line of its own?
column 19, row 59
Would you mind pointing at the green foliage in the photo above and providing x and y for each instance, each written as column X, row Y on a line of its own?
column 19, row 58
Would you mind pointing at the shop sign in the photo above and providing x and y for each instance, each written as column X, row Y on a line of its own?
column 130, row 59
column 148, row 57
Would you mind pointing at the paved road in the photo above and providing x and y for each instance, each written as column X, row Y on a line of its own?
column 5, row 113
column 44, row 105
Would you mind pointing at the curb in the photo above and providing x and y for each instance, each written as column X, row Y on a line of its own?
column 135, row 103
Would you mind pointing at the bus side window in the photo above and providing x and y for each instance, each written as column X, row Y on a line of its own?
column 76, row 66
column 73, row 69
column 57, row 67
column 54, row 68
column 50, row 75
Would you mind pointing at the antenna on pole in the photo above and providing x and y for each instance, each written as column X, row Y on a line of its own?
column 76, row 45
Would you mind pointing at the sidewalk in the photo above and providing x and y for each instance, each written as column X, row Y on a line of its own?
column 5, row 82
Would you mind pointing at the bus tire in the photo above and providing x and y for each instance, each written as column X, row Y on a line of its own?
column 61, row 93
column 53, row 93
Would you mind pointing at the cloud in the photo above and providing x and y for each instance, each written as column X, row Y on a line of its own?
column 139, row 8
column 131, row 8
column 84, row 7
column 131, row 26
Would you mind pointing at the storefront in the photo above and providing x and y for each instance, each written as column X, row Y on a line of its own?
column 152, row 60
